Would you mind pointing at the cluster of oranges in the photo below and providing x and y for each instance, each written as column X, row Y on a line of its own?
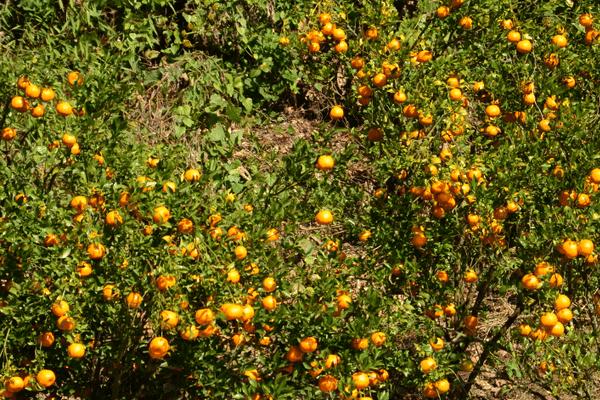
column 316, row 38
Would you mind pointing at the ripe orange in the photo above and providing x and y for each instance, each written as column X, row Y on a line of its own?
column 169, row 319
column 269, row 284
column 19, row 103
column 328, row 384
column 442, row 386
column 133, row 300
column 339, row 34
column 380, row 80
column 470, row 276
column 585, row 247
column 586, row 20
column 76, row 350
column 565, row 315
column 269, row 303
column 556, row 280
column 9, row 133
column 45, row 378
column 569, row 249
column 466, row 22
column 109, row 292
column 308, row 344
column 23, row 82
column 336, row 113
column 524, row 46
column 75, row 78
column 161, row 215
column 427, row 365
column 524, row 330
column 294, row 354
column 548, row 319
column 14, row 384
column 325, row 162
column 378, row 339
column 595, row 175
column 65, row 323
column 232, row 311
column 324, row 217
column 455, row 94
column 64, row 108
column 33, row 91
column 360, row 380
column 47, row 94
column 192, row 175
column 513, row 36
column 562, row 301
column 46, row 339
column 158, row 347
column 96, row 251
column 424, row 55
column 60, row 308
column 204, row 316
column 442, row 12
column 371, row 33
column 240, row 252
column 492, row 111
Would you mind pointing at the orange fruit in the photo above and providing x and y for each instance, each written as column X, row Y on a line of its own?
column 9, row 133
column 204, row 316
column 524, row 330
column 64, row 108
column 240, row 252
column 585, row 247
column 378, row 339
column 442, row 386
column 269, row 303
column 561, row 302
column 192, row 175
column 586, row 20
column 269, row 284
column 75, row 78
column 158, row 347
column 427, row 365
column 324, row 217
column 14, row 384
column 325, row 162
column 19, row 103
column 96, row 251
column 45, row 378
column 569, row 249
column 442, row 12
column 168, row 319
column 308, row 344
column 564, row 315
column 437, row 344
column 336, row 113
column 327, row 384
column 548, row 319
column 380, row 80
column 455, row 94
column 344, row 301
column 108, row 292
column 371, row 33
column 339, row 34
column 76, row 350
column 524, row 46
column 360, row 380
column 556, row 280
column 424, row 56
column 133, row 300
column 470, row 276
column 161, row 215
column 38, row 111
column 341, row 47
column 595, row 175
column 294, row 354
column 33, row 91
column 23, row 82
column 232, row 311
column 399, row 97
column 65, row 323
column 60, row 308
column 466, row 22
column 513, row 36
column 47, row 94
column 46, row 339
column 492, row 111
